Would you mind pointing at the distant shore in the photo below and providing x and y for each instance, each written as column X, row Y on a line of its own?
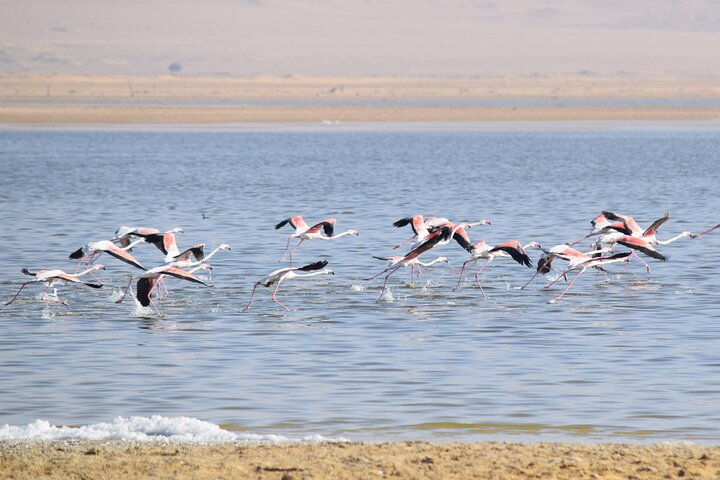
column 33, row 100
column 123, row 460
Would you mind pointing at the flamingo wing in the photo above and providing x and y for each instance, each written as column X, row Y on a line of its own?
column 461, row 237
column 652, row 229
column 642, row 246
column 516, row 251
column 113, row 250
column 296, row 222
column 178, row 273
column 144, row 287
column 313, row 266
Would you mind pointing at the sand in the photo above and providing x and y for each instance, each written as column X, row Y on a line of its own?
column 417, row 460
column 64, row 99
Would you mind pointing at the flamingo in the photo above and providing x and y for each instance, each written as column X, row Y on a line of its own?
column 298, row 224
column 395, row 259
column 124, row 234
column 410, row 258
column 565, row 252
column 149, row 280
column 197, row 251
column 649, row 233
column 50, row 277
column 278, row 276
column 165, row 242
column 422, row 228
column 315, row 232
column 108, row 247
column 596, row 262
column 511, row 249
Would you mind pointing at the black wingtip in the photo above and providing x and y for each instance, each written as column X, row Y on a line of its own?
column 402, row 222
column 314, row 266
column 27, row 272
column 77, row 254
column 282, row 224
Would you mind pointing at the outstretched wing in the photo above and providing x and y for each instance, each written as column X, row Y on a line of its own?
column 642, row 246
column 652, row 229
column 313, row 266
column 514, row 249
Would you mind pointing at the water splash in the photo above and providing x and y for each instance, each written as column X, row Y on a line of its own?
column 388, row 296
column 358, row 288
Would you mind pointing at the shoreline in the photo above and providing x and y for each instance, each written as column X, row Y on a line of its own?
column 69, row 100
column 119, row 459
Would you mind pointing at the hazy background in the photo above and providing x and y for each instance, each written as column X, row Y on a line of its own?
column 360, row 37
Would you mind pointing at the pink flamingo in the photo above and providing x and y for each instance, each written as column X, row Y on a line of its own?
column 165, row 242
column 565, row 252
column 149, row 280
column 434, row 239
column 315, row 232
column 511, row 249
column 51, row 277
column 597, row 262
column 422, row 228
column 279, row 276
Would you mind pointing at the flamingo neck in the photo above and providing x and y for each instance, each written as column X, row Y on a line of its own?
column 676, row 237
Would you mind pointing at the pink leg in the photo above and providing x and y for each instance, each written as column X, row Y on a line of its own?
column 295, row 249
column 278, row 301
column 477, row 278
column 647, row 267
column 42, row 297
column 462, row 270
column 18, row 293
column 153, row 303
column 403, row 243
column 529, row 281
column 120, row 300
column 568, row 287
column 287, row 247
column 382, row 292
column 412, row 275
column 247, row 307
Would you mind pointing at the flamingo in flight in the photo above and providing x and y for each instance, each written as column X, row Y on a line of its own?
column 512, row 249
column 124, row 235
column 395, row 259
column 563, row 252
column 51, row 277
column 423, row 227
column 315, row 232
column 165, row 242
column 434, row 239
column 280, row 275
column 149, row 280
column 597, row 262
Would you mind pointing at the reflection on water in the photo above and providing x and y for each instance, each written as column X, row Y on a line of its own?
column 633, row 358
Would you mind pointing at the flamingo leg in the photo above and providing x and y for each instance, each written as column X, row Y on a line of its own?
column 50, row 300
column 529, row 281
column 287, row 247
column 462, row 270
column 278, row 301
column 477, row 278
column 403, row 243
column 120, row 300
column 292, row 252
column 412, row 275
column 568, row 287
column 252, row 295
column 153, row 303
column 375, row 276
column 647, row 267
column 382, row 292
column 18, row 293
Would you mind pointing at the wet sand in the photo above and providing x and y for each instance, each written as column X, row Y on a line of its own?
column 200, row 100
column 122, row 460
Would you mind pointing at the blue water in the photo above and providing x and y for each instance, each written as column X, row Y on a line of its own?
column 636, row 359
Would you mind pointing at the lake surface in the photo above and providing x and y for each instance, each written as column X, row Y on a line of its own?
column 636, row 359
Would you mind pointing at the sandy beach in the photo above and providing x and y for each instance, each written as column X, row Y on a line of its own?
column 66, row 99
column 86, row 460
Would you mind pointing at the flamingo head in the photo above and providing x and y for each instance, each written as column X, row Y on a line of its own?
column 176, row 230
column 353, row 232
column 533, row 245
column 484, row 222
column 98, row 266
column 442, row 259
column 224, row 246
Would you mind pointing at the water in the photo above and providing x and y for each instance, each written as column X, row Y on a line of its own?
column 635, row 359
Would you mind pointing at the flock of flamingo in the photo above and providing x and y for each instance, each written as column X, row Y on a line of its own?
column 609, row 229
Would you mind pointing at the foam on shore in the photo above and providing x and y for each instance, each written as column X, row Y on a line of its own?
column 146, row 429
